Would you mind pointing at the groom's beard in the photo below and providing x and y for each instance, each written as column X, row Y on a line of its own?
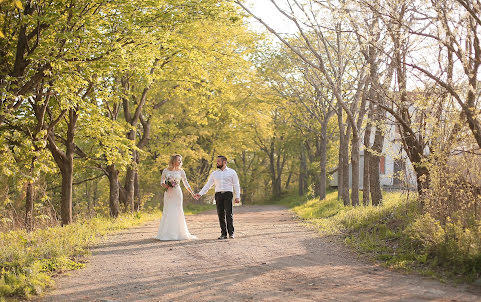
column 219, row 167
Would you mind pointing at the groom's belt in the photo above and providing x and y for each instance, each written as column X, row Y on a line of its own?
column 222, row 192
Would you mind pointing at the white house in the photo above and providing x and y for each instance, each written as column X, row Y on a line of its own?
column 396, row 171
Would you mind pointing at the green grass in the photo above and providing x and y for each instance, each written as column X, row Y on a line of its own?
column 389, row 233
column 29, row 260
column 192, row 209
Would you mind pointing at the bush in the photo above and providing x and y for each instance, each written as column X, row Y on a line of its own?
column 450, row 228
column 454, row 189
column 451, row 245
column 427, row 232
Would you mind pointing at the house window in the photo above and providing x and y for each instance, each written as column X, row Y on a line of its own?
column 382, row 165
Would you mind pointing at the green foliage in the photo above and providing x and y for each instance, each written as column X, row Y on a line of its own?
column 427, row 231
column 450, row 246
column 189, row 57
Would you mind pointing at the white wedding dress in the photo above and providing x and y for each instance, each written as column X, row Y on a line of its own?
column 172, row 224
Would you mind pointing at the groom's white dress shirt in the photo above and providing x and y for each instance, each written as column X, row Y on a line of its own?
column 224, row 180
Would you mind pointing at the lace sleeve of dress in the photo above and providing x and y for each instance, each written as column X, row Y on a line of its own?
column 184, row 180
column 162, row 179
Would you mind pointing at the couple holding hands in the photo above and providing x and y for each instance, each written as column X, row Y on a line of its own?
column 226, row 182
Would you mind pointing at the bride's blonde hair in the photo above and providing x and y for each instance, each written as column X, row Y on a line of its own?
column 172, row 160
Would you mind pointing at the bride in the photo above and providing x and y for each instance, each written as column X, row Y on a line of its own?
column 172, row 224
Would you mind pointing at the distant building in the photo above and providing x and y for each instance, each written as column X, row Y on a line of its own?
column 396, row 171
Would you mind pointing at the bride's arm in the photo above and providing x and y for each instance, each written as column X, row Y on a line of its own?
column 186, row 183
column 162, row 180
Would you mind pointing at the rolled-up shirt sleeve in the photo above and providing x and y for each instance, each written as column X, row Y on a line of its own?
column 208, row 185
column 236, row 184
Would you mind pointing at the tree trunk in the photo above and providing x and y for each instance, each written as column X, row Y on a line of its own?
column 129, row 188
column 276, row 187
column 343, row 167
column 345, row 176
column 355, row 170
column 340, row 176
column 288, row 181
column 365, row 177
column 133, row 120
column 279, row 186
column 423, row 180
column 130, row 179
column 64, row 161
column 29, row 207
column 302, row 172
column 67, row 171
column 323, row 164
column 344, row 153
column 366, row 187
column 65, row 165
column 340, row 170
column 29, row 198
column 136, row 192
column 113, row 175
column 374, row 160
column 95, row 196
column 123, row 197
column 67, row 190
column 276, row 184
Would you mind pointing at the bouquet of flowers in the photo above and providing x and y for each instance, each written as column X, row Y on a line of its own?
column 170, row 182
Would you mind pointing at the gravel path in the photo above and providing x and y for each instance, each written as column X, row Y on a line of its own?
column 273, row 258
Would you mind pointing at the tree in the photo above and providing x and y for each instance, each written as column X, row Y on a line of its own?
column 308, row 103
column 334, row 55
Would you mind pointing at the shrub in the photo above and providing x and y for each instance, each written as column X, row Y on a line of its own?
column 427, row 232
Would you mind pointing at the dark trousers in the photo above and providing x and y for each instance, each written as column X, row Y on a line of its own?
column 223, row 202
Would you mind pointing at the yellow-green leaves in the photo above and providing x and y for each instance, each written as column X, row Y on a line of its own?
column 18, row 4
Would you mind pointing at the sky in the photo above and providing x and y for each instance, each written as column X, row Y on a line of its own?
column 265, row 10
column 269, row 14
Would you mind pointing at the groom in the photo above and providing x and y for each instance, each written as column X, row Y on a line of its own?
column 226, row 183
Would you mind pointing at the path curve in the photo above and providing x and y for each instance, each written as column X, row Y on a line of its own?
column 273, row 258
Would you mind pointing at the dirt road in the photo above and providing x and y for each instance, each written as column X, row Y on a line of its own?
column 273, row 258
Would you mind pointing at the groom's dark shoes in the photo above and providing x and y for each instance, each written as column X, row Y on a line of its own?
column 222, row 237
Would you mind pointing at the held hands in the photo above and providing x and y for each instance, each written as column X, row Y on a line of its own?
column 197, row 197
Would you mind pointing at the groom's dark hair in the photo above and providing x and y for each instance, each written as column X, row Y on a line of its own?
column 222, row 157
